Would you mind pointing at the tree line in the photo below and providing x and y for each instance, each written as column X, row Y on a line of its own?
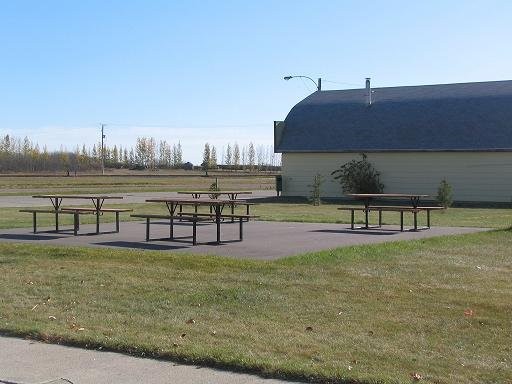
column 235, row 157
column 23, row 155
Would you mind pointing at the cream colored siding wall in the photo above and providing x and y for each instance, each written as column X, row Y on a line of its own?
column 474, row 176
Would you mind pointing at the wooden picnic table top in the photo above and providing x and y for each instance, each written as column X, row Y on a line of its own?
column 189, row 200
column 386, row 195
column 102, row 197
column 222, row 192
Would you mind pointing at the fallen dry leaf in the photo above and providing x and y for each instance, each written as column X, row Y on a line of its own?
column 469, row 312
column 81, row 329
column 309, row 329
column 52, row 317
column 182, row 336
column 416, row 376
column 191, row 321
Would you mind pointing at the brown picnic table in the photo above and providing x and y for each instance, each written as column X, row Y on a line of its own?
column 216, row 207
column 97, row 201
column 232, row 195
column 369, row 198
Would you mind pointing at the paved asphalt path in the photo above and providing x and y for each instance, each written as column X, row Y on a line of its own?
column 263, row 240
column 24, row 361
column 128, row 198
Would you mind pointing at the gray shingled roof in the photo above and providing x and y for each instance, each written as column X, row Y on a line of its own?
column 447, row 117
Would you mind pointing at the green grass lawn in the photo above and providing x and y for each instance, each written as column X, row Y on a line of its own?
column 440, row 308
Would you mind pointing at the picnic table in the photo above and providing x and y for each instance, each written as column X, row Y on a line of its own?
column 97, row 201
column 232, row 195
column 216, row 207
column 369, row 198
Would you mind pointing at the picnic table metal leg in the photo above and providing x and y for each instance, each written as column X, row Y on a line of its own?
column 366, row 214
column 97, row 205
column 415, row 214
column 232, row 212
column 117, row 221
column 194, row 231
column 56, row 202
column 34, row 221
column 241, row 229
column 352, row 219
column 401, row 221
column 171, row 228
column 147, row 228
column 428, row 218
column 380, row 218
column 217, row 222
column 75, row 223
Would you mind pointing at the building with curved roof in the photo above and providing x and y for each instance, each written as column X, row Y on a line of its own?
column 414, row 135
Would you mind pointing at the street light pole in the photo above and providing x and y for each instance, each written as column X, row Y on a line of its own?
column 318, row 84
column 102, row 149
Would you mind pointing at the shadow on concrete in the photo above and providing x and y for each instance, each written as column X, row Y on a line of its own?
column 13, row 236
column 140, row 245
column 380, row 232
column 181, row 223
column 95, row 234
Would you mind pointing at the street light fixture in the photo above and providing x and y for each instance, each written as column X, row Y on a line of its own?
column 318, row 84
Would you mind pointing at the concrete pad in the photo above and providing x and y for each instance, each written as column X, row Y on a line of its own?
column 25, row 361
column 263, row 240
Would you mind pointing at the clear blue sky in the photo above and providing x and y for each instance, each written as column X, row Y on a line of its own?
column 200, row 71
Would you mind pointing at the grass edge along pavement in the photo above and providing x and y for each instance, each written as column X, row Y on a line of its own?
column 378, row 313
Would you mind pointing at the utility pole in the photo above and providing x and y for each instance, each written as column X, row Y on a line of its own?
column 102, row 149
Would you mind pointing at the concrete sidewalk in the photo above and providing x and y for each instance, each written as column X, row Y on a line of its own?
column 25, row 361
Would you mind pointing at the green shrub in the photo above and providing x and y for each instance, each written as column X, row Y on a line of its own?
column 444, row 194
column 359, row 176
column 316, row 190
column 214, row 187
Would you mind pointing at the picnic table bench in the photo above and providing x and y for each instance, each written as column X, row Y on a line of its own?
column 368, row 198
column 98, row 210
column 216, row 215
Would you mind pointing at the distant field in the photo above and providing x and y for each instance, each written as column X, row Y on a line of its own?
column 131, row 182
